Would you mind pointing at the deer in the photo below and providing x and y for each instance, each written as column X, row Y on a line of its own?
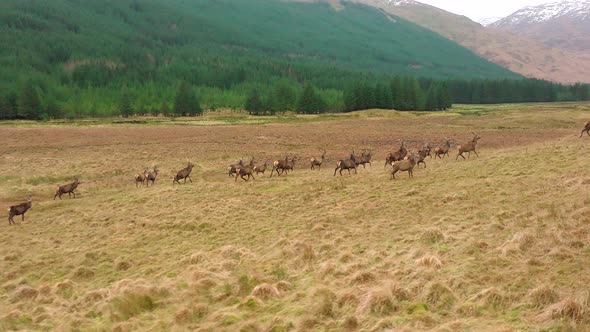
column 586, row 129
column 184, row 174
column 468, row 147
column 246, row 170
column 141, row 178
column 151, row 176
column 442, row 150
column 422, row 154
column 19, row 210
column 365, row 158
column 428, row 149
column 261, row 169
column 397, row 155
column 346, row 164
column 317, row 162
column 406, row 165
column 232, row 168
column 279, row 165
column 289, row 166
column 67, row 189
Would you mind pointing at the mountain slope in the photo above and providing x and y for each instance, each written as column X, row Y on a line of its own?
column 564, row 24
column 519, row 54
column 176, row 34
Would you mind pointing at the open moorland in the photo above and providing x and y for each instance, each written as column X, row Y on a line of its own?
column 499, row 242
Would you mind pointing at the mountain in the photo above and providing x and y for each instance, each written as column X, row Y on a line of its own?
column 563, row 24
column 78, row 57
column 517, row 53
column 171, row 33
column 486, row 21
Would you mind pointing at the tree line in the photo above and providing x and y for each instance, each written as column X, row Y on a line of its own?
column 400, row 93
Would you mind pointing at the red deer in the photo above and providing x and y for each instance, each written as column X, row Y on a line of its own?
column 246, row 170
column 422, row 154
column 289, row 166
column 184, row 174
column 282, row 165
column 151, row 177
column 586, row 129
column 468, row 147
column 442, row 150
column 261, row 169
column 317, row 162
column 141, row 178
column 67, row 189
column 231, row 170
column 19, row 210
column 428, row 149
column 406, row 165
column 397, row 155
column 365, row 159
column 346, row 164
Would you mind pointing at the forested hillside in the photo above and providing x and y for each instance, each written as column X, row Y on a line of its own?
column 77, row 58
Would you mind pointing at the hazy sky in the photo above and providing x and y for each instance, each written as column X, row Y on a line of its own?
column 478, row 9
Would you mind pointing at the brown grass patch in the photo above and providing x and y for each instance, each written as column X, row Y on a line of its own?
column 265, row 291
column 543, row 295
column 429, row 261
column 569, row 308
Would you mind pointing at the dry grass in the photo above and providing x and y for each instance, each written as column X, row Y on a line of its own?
column 494, row 243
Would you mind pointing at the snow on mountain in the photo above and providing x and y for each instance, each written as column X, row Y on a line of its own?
column 488, row 20
column 575, row 9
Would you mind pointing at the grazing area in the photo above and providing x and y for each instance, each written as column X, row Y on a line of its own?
column 495, row 242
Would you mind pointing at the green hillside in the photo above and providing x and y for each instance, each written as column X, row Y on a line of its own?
column 80, row 54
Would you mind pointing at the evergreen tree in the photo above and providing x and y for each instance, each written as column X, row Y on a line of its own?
column 310, row 101
column 29, row 103
column 387, row 97
column 284, row 97
column 183, row 101
column 254, row 103
column 432, row 100
column 5, row 111
column 444, row 96
column 194, row 105
column 125, row 105
column 165, row 110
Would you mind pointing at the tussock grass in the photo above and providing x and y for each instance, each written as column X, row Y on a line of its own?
column 485, row 244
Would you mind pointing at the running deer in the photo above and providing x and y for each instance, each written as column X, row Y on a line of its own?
column 19, row 210
column 365, row 159
column 246, row 170
column 317, row 162
column 151, row 176
column 586, row 129
column 397, row 155
column 422, row 154
column 184, row 174
column 468, row 147
column 231, row 170
column 346, row 164
column 67, row 189
column 442, row 150
column 261, row 168
column 141, row 178
column 279, row 165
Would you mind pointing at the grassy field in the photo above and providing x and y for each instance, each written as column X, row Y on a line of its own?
column 495, row 243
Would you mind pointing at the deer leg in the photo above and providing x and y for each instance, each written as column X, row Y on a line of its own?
column 252, row 176
column 23, row 218
column 189, row 178
column 476, row 153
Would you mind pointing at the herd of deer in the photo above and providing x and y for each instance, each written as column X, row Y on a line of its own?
column 401, row 161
